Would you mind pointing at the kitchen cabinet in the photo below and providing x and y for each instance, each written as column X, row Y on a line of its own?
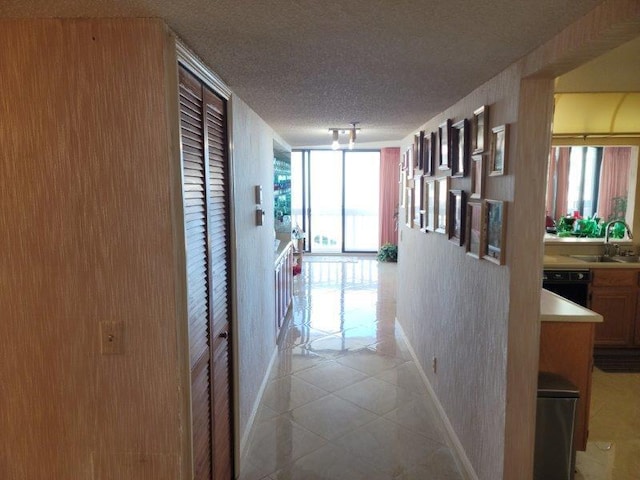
column 283, row 284
column 614, row 295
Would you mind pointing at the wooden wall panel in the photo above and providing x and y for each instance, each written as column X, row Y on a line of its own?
column 86, row 237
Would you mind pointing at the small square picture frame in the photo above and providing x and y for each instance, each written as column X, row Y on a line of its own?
column 456, row 216
column 499, row 150
column 474, row 243
column 477, row 177
column 480, row 130
column 431, row 204
column 460, row 148
column 494, row 231
column 442, row 204
column 444, row 145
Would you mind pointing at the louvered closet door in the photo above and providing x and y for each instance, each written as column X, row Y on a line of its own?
column 202, row 128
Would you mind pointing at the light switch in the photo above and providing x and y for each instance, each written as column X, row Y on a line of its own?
column 112, row 338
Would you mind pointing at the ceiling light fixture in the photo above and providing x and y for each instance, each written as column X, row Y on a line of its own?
column 351, row 131
column 336, row 144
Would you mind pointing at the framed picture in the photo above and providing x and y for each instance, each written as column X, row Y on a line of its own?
column 409, row 156
column 499, row 146
column 460, row 148
column 494, row 231
column 428, row 153
column 477, row 177
column 444, row 184
column 444, row 146
column 430, row 205
column 474, row 238
column 410, row 204
column 456, row 216
column 480, row 130
column 417, row 201
column 417, row 150
column 402, row 189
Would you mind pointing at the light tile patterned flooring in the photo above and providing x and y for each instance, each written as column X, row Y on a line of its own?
column 613, row 450
column 344, row 400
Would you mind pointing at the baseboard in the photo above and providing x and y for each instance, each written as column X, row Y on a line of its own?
column 246, row 437
column 453, row 442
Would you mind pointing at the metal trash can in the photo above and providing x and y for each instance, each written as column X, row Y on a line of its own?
column 555, row 453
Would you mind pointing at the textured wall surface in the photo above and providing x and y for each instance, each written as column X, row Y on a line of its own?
column 481, row 320
column 86, row 237
column 255, row 317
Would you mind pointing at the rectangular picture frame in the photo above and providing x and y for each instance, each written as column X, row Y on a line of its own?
column 494, row 230
column 444, row 145
column 429, row 153
column 474, row 243
column 442, row 204
column 499, row 149
column 457, row 216
column 430, row 204
column 409, row 204
column 480, row 130
column 477, row 177
column 417, row 202
column 417, row 150
column 460, row 148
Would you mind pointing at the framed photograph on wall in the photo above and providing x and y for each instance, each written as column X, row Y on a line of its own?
column 456, row 216
column 459, row 148
column 474, row 237
column 499, row 146
column 444, row 184
column 417, row 151
column 480, row 130
column 402, row 189
column 430, row 205
column 494, row 231
column 444, row 146
column 410, row 204
column 409, row 156
column 477, row 177
column 417, row 201
column 429, row 153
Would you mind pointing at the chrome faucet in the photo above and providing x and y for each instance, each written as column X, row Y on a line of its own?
column 607, row 231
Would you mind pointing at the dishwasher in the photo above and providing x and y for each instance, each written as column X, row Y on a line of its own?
column 570, row 284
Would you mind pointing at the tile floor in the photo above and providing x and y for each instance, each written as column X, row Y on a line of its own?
column 613, row 450
column 344, row 399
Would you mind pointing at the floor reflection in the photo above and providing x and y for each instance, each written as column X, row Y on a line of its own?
column 344, row 399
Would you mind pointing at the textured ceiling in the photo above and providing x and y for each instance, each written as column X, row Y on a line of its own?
column 307, row 65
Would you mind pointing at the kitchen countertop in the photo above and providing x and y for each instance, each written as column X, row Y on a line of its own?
column 566, row 262
column 554, row 308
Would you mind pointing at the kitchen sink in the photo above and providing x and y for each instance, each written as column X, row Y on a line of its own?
column 607, row 259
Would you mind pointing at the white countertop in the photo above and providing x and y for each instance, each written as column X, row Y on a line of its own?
column 554, row 308
column 565, row 262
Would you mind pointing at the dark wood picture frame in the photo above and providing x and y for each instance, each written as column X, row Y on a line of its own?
column 456, row 216
column 429, row 153
column 418, row 141
column 409, row 156
column 418, row 201
column 499, row 150
column 444, row 145
column 442, row 204
column 460, row 148
column 477, row 176
column 494, row 231
column 480, row 130
column 430, row 205
column 474, row 237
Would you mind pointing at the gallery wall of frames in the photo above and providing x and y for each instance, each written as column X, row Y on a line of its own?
column 457, row 149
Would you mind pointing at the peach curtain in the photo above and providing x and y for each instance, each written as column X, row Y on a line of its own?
column 558, row 182
column 389, row 165
column 614, row 178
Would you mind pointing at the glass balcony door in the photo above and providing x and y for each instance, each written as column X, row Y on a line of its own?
column 361, row 201
column 325, row 201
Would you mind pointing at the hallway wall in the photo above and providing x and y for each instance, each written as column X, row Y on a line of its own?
column 478, row 319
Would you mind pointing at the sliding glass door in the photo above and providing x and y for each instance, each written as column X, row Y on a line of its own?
column 361, row 201
column 325, row 198
column 335, row 199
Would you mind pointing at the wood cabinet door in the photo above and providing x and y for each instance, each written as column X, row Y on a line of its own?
column 618, row 308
